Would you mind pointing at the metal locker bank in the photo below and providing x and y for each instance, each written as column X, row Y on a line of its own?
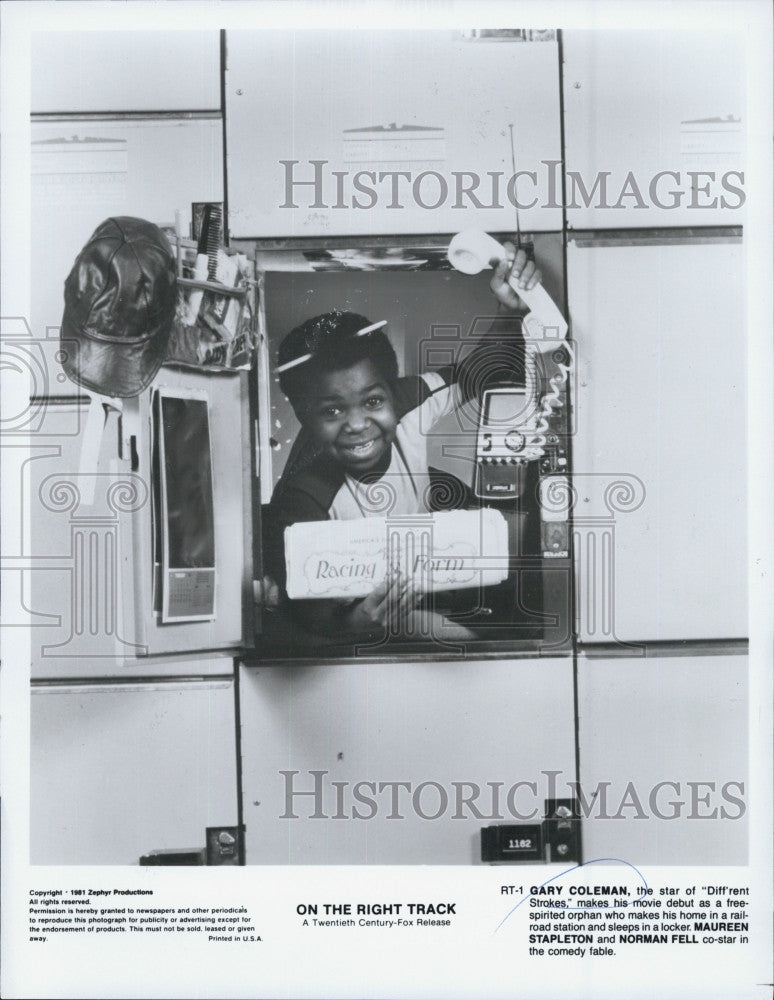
column 199, row 692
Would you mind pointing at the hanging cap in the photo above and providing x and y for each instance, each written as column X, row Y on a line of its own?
column 120, row 302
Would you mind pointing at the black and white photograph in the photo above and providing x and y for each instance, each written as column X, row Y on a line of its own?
column 386, row 470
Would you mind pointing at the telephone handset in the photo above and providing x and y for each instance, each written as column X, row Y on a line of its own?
column 472, row 251
column 515, row 423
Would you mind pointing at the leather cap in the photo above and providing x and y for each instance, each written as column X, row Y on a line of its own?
column 120, row 302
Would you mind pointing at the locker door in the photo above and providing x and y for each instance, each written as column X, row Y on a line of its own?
column 407, row 119
column 674, row 731
column 119, row 770
column 654, row 107
column 434, row 726
column 660, row 447
column 92, row 569
column 230, row 458
column 97, row 71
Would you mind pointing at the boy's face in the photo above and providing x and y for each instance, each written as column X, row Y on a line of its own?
column 352, row 415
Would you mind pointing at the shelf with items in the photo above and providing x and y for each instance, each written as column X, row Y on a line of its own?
column 215, row 326
column 211, row 286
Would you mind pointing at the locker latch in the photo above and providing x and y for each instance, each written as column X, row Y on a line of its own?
column 224, row 846
column 556, row 839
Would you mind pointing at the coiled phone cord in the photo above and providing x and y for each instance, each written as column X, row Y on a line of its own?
column 536, row 440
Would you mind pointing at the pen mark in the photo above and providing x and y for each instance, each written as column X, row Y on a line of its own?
column 586, row 864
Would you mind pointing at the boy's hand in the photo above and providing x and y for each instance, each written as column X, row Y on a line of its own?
column 395, row 604
column 514, row 266
column 266, row 593
column 389, row 603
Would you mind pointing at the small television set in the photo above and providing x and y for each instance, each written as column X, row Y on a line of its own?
column 185, row 543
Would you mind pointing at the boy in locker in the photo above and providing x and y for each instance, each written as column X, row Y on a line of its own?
column 362, row 450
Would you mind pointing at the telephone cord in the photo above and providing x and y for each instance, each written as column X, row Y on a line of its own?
column 535, row 446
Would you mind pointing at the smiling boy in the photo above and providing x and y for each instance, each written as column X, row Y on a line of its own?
column 362, row 451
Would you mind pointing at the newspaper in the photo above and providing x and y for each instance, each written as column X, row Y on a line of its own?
column 585, row 815
column 346, row 559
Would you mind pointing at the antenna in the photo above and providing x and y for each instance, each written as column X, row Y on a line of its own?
column 515, row 193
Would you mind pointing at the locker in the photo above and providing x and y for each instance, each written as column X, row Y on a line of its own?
column 423, row 115
column 120, row 770
column 97, row 71
column 442, row 728
column 433, row 317
column 668, row 735
column 660, row 447
column 84, row 172
column 91, row 577
column 654, row 128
